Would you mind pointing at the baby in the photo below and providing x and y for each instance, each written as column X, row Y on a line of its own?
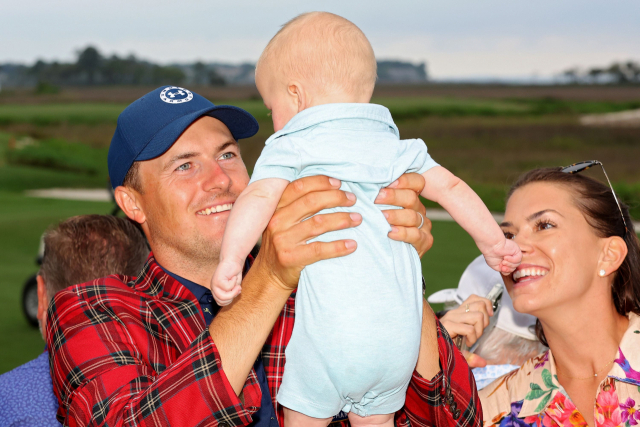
column 358, row 318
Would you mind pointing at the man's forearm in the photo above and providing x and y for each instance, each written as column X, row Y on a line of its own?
column 447, row 398
column 428, row 360
column 241, row 329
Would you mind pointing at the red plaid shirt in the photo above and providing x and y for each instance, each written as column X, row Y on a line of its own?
column 127, row 351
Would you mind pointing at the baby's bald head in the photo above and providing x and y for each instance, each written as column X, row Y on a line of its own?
column 325, row 52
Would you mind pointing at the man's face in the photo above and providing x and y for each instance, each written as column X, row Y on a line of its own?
column 188, row 191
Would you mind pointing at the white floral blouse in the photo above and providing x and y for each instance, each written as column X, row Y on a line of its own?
column 532, row 397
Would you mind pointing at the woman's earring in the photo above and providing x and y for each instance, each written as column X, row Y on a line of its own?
column 602, row 273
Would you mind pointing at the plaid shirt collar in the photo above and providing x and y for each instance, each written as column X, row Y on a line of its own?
column 208, row 306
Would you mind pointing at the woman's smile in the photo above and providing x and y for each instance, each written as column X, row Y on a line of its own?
column 527, row 273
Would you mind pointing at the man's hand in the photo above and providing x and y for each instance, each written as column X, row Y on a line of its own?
column 285, row 251
column 404, row 193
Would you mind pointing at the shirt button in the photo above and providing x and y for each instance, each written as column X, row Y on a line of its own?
column 456, row 415
column 209, row 299
column 453, row 407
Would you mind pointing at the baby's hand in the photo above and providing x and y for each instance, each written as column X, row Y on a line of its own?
column 225, row 284
column 504, row 257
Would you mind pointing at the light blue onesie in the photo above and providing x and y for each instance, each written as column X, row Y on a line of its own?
column 358, row 318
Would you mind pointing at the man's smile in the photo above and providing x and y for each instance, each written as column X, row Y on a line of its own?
column 215, row 209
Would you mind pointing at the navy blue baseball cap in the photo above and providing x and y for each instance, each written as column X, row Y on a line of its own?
column 151, row 124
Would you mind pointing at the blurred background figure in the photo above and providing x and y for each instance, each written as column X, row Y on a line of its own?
column 508, row 345
column 78, row 250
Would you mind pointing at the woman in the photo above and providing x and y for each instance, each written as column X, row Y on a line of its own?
column 580, row 276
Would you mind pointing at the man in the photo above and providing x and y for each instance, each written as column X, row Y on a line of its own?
column 79, row 249
column 156, row 351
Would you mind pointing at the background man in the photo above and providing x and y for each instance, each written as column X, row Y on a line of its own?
column 79, row 249
column 151, row 352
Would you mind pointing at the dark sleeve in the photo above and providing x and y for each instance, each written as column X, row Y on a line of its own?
column 448, row 399
column 100, row 359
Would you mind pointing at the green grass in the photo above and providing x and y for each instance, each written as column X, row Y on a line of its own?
column 453, row 249
column 401, row 108
column 60, row 155
column 413, row 108
column 47, row 114
column 22, row 222
column 51, row 164
column 558, row 106
column 406, row 108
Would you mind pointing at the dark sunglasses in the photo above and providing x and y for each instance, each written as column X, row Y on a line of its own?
column 579, row 167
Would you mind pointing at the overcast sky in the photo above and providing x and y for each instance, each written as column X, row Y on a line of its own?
column 457, row 38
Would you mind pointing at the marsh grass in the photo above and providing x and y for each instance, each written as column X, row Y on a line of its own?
column 29, row 164
column 486, row 141
column 402, row 108
column 49, row 114
column 60, row 155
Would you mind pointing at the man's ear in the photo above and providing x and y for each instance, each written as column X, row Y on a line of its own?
column 298, row 95
column 43, row 302
column 614, row 252
column 130, row 202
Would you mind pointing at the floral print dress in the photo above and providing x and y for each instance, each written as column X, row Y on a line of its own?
column 532, row 397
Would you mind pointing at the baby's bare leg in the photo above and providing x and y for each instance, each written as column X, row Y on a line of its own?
column 382, row 420
column 297, row 419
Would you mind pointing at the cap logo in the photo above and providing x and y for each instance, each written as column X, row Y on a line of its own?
column 176, row 95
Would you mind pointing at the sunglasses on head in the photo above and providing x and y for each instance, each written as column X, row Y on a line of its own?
column 579, row 167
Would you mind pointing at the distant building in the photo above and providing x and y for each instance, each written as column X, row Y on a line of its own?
column 15, row 75
column 401, row 72
column 242, row 74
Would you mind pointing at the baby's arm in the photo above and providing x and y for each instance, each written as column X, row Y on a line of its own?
column 248, row 218
column 468, row 210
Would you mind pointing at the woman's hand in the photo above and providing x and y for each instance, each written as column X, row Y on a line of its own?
column 284, row 251
column 469, row 320
column 404, row 192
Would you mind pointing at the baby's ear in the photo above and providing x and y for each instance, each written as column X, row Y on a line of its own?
column 298, row 96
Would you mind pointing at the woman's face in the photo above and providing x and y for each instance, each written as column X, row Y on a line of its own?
column 560, row 250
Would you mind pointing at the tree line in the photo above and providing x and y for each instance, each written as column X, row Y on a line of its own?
column 93, row 68
column 627, row 72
